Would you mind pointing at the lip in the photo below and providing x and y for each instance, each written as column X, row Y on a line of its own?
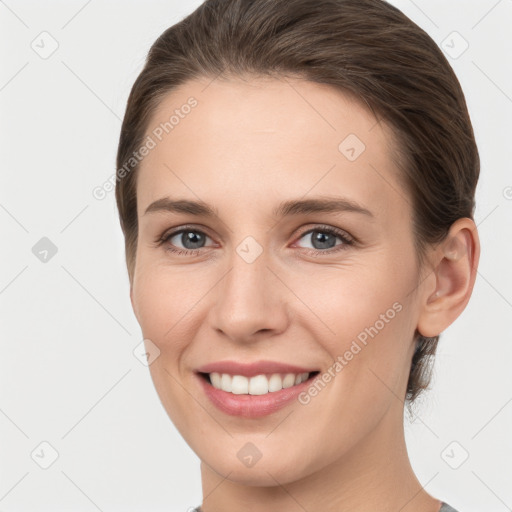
column 253, row 369
column 252, row 406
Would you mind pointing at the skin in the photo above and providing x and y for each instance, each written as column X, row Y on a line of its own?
column 247, row 146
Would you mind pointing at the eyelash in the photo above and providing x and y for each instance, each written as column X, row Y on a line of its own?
column 345, row 237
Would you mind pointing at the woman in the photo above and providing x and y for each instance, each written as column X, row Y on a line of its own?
column 296, row 186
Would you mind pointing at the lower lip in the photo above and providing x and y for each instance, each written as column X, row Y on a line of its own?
column 252, row 406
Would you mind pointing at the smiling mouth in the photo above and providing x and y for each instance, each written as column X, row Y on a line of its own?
column 257, row 385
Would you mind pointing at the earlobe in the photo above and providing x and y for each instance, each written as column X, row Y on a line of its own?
column 455, row 264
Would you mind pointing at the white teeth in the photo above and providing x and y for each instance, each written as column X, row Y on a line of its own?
column 225, row 382
column 289, row 380
column 275, row 383
column 239, row 385
column 257, row 385
column 215, row 380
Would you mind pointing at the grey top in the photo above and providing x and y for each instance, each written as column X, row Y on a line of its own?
column 444, row 508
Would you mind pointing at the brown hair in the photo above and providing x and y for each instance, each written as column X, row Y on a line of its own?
column 365, row 48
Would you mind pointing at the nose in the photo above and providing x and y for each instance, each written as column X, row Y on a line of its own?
column 249, row 301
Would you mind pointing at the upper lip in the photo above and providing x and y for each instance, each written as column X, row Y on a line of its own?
column 251, row 369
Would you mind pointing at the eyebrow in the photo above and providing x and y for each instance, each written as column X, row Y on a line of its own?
column 292, row 207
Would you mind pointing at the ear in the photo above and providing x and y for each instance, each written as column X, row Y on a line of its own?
column 455, row 262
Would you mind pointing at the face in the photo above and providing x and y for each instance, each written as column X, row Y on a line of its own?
column 268, row 271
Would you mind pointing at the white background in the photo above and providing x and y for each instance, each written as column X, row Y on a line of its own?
column 68, row 375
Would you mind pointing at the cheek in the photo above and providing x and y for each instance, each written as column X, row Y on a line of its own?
column 366, row 315
column 155, row 300
column 167, row 300
column 370, row 315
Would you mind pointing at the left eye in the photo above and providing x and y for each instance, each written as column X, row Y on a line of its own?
column 325, row 238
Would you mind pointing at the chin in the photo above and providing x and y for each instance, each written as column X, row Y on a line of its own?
column 242, row 462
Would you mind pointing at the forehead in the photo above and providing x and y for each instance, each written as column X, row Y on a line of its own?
column 263, row 137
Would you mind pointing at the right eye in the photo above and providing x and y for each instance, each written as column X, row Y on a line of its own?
column 192, row 240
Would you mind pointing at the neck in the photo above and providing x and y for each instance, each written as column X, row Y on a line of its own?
column 375, row 474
